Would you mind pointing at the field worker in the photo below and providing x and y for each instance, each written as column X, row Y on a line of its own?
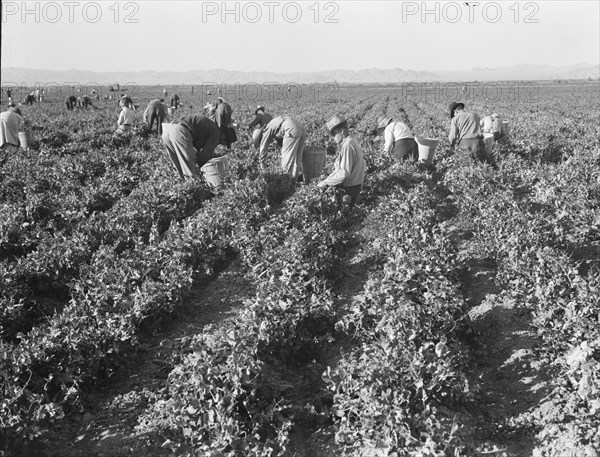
column 71, row 102
column 36, row 94
column 260, row 122
column 165, row 93
column 175, row 101
column 11, row 121
column 126, row 99
column 399, row 139
column 349, row 165
column 85, row 102
column 190, row 143
column 291, row 136
column 29, row 99
column 125, row 121
column 492, row 124
column 465, row 131
column 222, row 117
column 156, row 111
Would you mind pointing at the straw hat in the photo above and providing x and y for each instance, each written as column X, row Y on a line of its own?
column 210, row 106
column 383, row 121
column 454, row 106
column 334, row 122
column 259, row 107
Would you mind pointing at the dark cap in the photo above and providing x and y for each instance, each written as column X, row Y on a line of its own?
column 454, row 106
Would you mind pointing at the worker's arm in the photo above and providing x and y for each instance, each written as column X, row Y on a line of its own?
column 254, row 123
column 389, row 140
column 453, row 132
column 268, row 135
column 343, row 169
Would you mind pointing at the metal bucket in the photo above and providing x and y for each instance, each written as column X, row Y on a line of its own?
column 25, row 139
column 215, row 171
column 313, row 160
column 426, row 148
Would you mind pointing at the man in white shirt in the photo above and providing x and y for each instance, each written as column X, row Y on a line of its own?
column 399, row 137
column 11, row 122
column 349, row 166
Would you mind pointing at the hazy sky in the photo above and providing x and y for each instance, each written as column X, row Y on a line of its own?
column 284, row 36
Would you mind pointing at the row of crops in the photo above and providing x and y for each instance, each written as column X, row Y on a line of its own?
column 98, row 242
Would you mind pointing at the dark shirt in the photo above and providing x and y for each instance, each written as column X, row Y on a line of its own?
column 223, row 115
column 205, row 132
column 261, row 119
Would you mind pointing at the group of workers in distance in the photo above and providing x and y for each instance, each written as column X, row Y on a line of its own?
column 190, row 141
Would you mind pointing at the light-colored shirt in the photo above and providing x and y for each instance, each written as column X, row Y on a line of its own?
column 126, row 116
column 464, row 125
column 393, row 132
column 278, row 128
column 349, row 166
column 10, row 124
column 491, row 124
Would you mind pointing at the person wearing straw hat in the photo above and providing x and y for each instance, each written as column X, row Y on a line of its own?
column 85, row 101
column 465, row 132
column 349, row 165
column 11, row 121
column 291, row 136
column 399, row 139
column 155, row 111
column 190, row 143
column 259, row 123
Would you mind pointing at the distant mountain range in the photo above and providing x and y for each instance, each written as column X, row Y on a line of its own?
column 373, row 75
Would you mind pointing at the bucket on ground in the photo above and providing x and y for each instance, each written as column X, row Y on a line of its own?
column 313, row 160
column 215, row 170
column 257, row 137
column 426, row 148
column 488, row 141
column 25, row 139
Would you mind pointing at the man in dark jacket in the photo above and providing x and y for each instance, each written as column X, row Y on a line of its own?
column 71, row 102
column 190, row 143
column 222, row 117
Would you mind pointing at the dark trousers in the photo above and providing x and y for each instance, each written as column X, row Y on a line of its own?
column 353, row 192
column 406, row 148
column 475, row 147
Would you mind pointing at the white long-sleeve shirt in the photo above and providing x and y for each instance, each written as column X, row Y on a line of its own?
column 10, row 124
column 126, row 117
column 349, row 166
column 393, row 132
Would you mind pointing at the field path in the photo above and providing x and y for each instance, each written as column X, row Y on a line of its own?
column 513, row 382
column 107, row 428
